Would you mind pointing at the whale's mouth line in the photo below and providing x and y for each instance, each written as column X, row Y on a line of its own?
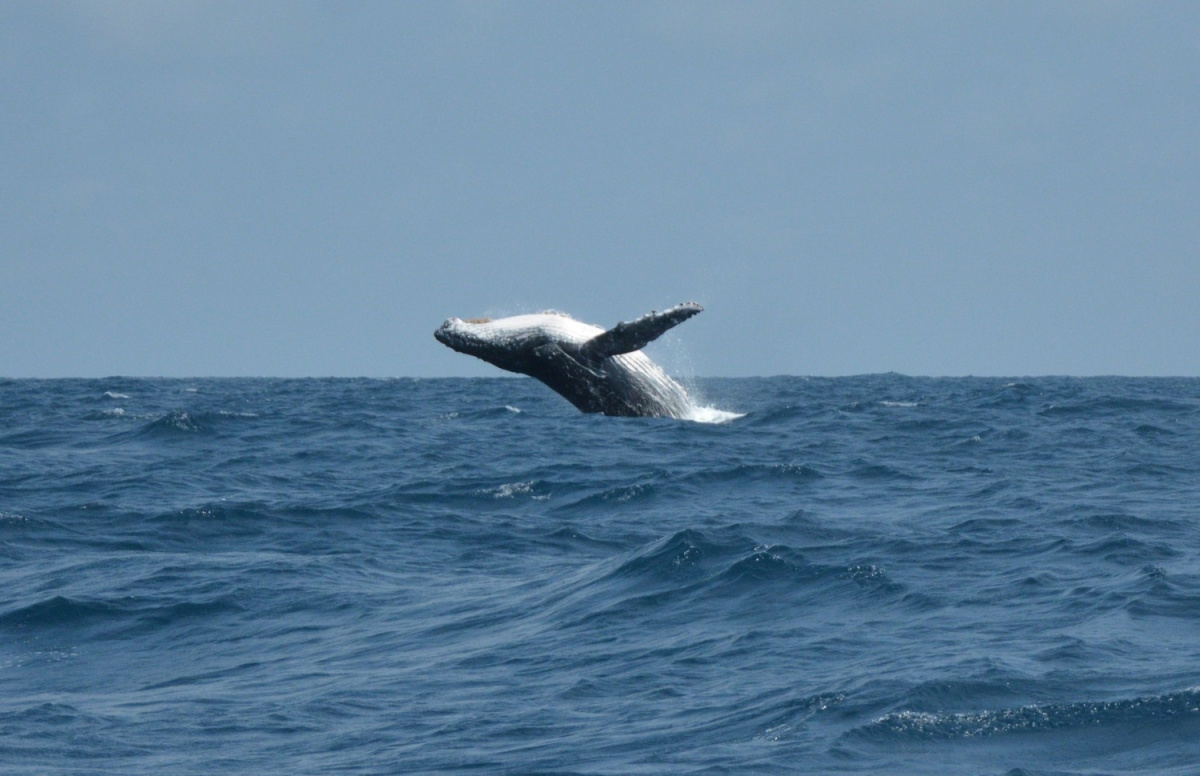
column 478, row 320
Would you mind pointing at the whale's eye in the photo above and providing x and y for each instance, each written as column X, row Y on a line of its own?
column 479, row 320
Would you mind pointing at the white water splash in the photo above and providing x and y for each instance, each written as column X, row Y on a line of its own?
column 699, row 414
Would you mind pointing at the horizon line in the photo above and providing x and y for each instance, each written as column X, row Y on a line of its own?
column 1062, row 375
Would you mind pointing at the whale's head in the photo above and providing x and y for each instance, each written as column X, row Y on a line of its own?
column 502, row 342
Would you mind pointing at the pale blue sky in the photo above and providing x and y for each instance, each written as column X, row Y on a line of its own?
column 292, row 189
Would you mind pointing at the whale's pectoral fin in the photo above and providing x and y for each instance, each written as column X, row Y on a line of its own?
column 636, row 334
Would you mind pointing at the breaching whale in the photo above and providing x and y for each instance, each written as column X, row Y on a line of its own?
column 594, row 369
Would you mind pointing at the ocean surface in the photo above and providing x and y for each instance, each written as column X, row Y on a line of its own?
column 877, row 574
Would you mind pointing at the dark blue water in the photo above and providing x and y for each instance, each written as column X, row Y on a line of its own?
column 864, row 575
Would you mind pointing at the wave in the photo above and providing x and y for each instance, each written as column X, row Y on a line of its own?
column 61, row 611
column 176, row 421
column 109, row 414
column 639, row 492
column 179, row 423
column 54, row 611
column 472, row 493
column 930, row 726
column 758, row 472
column 34, row 438
column 730, row 562
column 1011, row 395
column 1104, row 405
column 881, row 472
column 482, row 413
column 510, row 490
column 170, row 424
column 782, row 416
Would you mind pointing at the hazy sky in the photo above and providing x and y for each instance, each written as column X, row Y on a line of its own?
column 293, row 189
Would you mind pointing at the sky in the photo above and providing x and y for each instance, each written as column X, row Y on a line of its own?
column 310, row 188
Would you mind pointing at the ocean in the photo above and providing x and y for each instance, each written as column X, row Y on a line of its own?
column 877, row 574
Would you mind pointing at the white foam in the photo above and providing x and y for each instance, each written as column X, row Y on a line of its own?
column 115, row 395
column 711, row 415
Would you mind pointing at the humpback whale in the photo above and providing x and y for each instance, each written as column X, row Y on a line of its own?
column 594, row 369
